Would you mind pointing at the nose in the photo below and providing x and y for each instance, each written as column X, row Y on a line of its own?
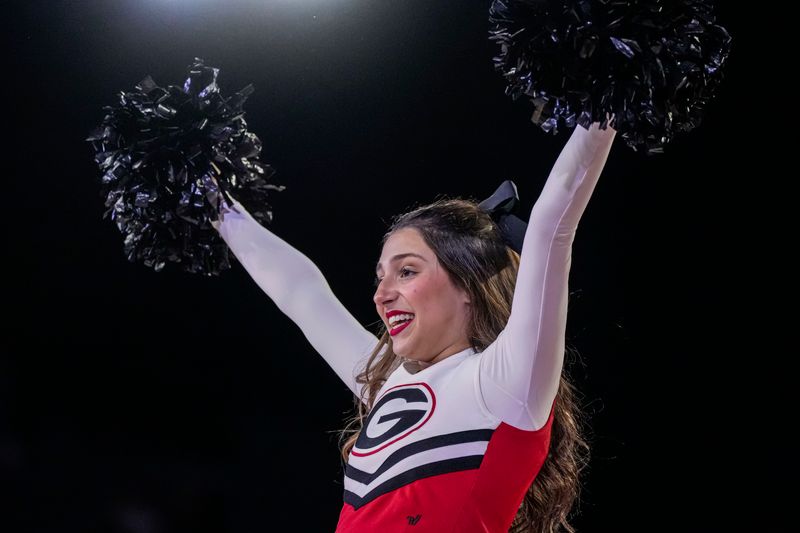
column 384, row 293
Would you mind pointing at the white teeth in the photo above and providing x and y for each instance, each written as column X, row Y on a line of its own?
column 397, row 318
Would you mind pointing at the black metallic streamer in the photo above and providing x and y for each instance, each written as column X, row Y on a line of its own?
column 169, row 157
column 651, row 64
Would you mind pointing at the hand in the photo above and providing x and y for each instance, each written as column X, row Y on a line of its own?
column 224, row 207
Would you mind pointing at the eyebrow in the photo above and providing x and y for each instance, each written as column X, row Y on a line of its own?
column 398, row 257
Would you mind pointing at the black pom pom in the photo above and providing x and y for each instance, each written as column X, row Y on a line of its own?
column 651, row 64
column 169, row 158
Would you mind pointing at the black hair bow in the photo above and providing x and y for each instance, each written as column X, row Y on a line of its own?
column 500, row 206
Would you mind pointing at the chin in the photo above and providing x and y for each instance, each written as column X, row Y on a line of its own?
column 401, row 352
column 404, row 351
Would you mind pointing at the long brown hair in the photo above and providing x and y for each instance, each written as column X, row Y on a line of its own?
column 470, row 248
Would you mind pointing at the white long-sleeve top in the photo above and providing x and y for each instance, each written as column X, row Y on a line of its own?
column 463, row 437
column 520, row 371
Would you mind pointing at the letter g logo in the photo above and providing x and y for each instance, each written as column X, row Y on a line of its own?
column 398, row 412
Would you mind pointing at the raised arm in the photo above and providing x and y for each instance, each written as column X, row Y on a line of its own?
column 520, row 372
column 300, row 291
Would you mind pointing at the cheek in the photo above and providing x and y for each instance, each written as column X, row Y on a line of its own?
column 432, row 300
column 423, row 294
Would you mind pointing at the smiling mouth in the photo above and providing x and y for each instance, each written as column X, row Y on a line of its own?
column 401, row 327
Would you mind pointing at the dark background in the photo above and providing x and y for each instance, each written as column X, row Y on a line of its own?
column 143, row 402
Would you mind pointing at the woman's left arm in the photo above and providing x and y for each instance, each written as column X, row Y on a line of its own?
column 520, row 372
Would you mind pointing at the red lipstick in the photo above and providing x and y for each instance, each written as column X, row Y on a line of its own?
column 401, row 327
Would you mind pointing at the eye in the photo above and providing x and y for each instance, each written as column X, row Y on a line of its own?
column 405, row 270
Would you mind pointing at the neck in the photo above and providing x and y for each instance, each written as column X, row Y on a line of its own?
column 444, row 354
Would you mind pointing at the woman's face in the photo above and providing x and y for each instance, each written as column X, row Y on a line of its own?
column 412, row 284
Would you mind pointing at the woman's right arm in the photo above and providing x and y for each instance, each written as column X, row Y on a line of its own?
column 300, row 291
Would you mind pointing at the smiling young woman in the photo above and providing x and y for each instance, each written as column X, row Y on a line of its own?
column 465, row 421
column 426, row 314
